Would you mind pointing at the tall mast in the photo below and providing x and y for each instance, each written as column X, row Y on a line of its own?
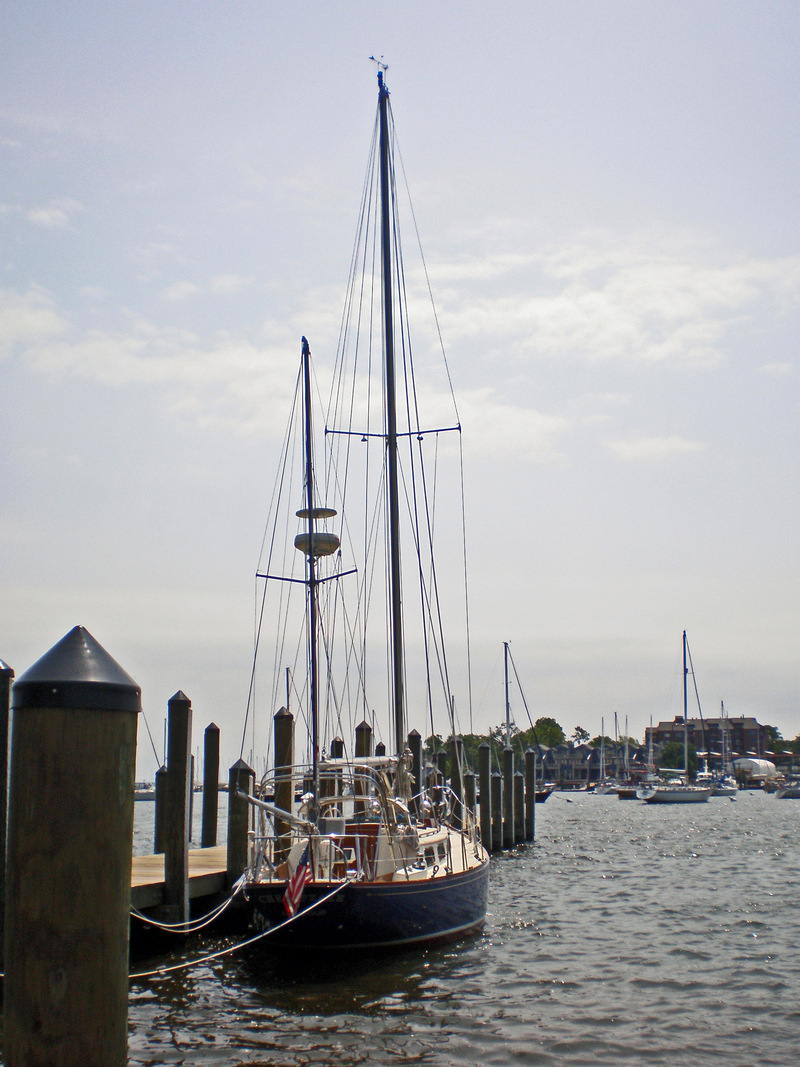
column 311, row 567
column 685, row 713
column 391, row 421
column 508, row 706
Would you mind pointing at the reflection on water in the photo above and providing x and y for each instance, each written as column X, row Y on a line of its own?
column 629, row 933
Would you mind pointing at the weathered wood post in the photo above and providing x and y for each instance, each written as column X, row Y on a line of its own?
column 508, row 797
column 283, row 733
column 177, row 830
column 415, row 748
column 337, row 752
column 530, row 795
column 441, row 778
column 70, row 841
column 210, row 786
column 240, row 778
column 380, row 749
column 497, row 811
column 363, row 749
column 484, row 789
column 470, row 793
column 162, row 811
column 456, row 784
column 519, row 807
column 6, row 678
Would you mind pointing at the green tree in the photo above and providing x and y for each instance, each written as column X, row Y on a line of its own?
column 579, row 736
column 672, row 757
column 773, row 737
column 548, row 732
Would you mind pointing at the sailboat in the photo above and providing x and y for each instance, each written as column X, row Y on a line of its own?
column 363, row 848
column 605, row 785
column 541, row 790
column 677, row 789
column 724, row 783
column 627, row 789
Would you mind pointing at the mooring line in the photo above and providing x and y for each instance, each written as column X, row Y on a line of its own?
column 244, row 944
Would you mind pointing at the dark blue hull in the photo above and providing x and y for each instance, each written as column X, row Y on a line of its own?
column 375, row 914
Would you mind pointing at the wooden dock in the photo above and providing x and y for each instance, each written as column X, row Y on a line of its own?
column 207, row 876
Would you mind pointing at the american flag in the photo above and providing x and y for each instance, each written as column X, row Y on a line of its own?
column 296, row 884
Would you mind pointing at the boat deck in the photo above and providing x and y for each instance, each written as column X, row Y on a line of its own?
column 207, row 876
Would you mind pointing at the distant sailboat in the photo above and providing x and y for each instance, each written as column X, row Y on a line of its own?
column 678, row 790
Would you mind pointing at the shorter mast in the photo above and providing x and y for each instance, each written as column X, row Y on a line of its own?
column 312, row 544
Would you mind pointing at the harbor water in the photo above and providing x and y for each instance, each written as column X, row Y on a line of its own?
column 629, row 933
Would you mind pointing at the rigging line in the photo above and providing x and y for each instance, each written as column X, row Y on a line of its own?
column 428, row 283
column 697, row 696
column 253, row 671
column 152, row 743
column 525, row 702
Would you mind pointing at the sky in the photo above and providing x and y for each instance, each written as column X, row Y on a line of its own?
column 607, row 197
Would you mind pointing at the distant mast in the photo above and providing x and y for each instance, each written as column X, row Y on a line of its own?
column 391, row 422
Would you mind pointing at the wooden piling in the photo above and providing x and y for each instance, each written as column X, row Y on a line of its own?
column 208, row 838
column 6, row 678
column 530, row 795
column 162, row 810
column 177, row 830
column 497, row 811
column 70, row 842
column 363, row 748
column 456, row 784
column 470, row 792
column 283, row 733
column 415, row 748
column 240, row 778
column 485, row 791
column 519, row 807
column 508, row 797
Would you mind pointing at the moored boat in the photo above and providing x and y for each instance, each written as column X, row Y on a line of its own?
column 381, row 851
column 677, row 789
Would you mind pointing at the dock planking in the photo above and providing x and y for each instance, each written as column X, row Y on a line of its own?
column 207, row 876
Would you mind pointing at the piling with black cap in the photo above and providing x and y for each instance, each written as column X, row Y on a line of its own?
column 6, row 678
column 485, row 792
column 363, row 750
column 70, row 841
column 508, row 797
column 456, row 784
column 530, row 794
column 162, row 810
column 177, row 830
column 415, row 747
column 519, row 807
column 283, row 731
column 208, row 837
column 241, row 779
column 497, row 811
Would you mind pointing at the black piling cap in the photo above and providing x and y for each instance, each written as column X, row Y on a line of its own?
column 77, row 672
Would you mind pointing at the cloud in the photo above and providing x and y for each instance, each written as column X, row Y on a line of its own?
column 223, row 284
column 652, row 449
column 28, row 319
column 183, row 290
column 56, row 214
column 644, row 298
column 777, row 370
